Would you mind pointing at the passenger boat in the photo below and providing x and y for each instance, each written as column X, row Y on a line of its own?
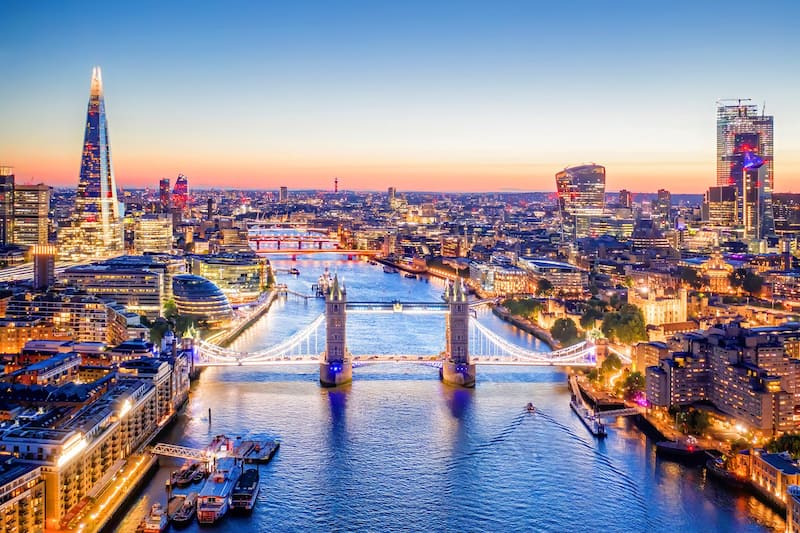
column 410, row 275
column 246, row 491
column 156, row 521
column 186, row 513
column 214, row 499
column 531, row 408
column 294, row 272
column 389, row 269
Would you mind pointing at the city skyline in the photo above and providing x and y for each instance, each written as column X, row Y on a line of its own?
column 482, row 99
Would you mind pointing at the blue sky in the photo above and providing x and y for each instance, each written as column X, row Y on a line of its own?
column 462, row 95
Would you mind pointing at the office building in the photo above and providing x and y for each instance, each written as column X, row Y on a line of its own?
column 180, row 195
column 283, row 195
column 200, row 299
column 6, row 206
column 95, row 229
column 625, row 199
column 140, row 290
column 44, row 266
column 31, row 214
column 663, row 206
column 745, row 161
column 720, row 206
column 581, row 196
column 242, row 277
column 152, row 234
column 164, row 195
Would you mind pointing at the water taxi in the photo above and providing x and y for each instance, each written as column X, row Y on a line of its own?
column 246, row 491
column 530, row 407
column 214, row 499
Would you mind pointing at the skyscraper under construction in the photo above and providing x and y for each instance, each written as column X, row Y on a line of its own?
column 745, row 162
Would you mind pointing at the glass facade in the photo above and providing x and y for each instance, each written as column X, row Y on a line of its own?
column 31, row 209
column 581, row 195
column 6, row 206
column 745, row 161
column 164, row 196
column 97, row 223
column 180, row 194
column 200, row 299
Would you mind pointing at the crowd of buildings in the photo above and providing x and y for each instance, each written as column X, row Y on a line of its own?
column 86, row 388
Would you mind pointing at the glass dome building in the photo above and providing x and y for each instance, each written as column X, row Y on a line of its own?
column 199, row 298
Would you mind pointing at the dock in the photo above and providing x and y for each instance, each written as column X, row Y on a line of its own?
column 257, row 451
column 587, row 416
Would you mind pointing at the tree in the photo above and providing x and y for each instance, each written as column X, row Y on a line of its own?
column 788, row 442
column 170, row 309
column 633, row 385
column 748, row 281
column 612, row 363
column 590, row 316
column 526, row 308
column 689, row 276
column 565, row 331
column 626, row 324
column 693, row 421
column 543, row 287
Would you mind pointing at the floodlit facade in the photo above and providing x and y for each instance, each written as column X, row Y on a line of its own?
column 31, row 209
column 153, row 234
column 200, row 299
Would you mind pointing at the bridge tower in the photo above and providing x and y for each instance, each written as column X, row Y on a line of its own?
column 336, row 367
column 456, row 367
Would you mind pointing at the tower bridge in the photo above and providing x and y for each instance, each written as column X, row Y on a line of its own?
column 468, row 343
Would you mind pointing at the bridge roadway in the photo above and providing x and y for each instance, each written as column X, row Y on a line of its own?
column 304, row 251
column 361, row 360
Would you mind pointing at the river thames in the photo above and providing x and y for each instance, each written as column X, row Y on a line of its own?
column 398, row 450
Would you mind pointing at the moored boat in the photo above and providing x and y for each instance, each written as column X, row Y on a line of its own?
column 214, row 499
column 186, row 513
column 246, row 491
column 186, row 475
column 156, row 520
column 389, row 269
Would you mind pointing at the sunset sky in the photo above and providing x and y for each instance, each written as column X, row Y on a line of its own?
column 421, row 95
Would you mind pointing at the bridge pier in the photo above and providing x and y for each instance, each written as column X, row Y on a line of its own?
column 335, row 373
column 460, row 374
column 456, row 366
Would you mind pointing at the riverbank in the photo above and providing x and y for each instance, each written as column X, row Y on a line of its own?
column 526, row 326
column 257, row 313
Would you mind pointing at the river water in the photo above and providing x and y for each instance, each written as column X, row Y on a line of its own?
column 398, row 450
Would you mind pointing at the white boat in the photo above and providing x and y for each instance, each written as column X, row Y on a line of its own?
column 156, row 521
column 214, row 499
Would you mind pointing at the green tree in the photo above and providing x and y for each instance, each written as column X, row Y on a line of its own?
column 633, row 385
column 689, row 276
column 526, row 308
column 788, row 442
column 746, row 280
column 170, row 309
column 565, row 331
column 590, row 316
column 693, row 421
column 543, row 287
column 610, row 364
column 626, row 324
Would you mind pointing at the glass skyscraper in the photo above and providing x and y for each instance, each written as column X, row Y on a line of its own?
column 745, row 161
column 581, row 195
column 97, row 222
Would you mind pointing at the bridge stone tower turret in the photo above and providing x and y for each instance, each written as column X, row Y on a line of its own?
column 336, row 367
column 456, row 367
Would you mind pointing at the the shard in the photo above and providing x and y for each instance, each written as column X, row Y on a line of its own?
column 97, row 223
